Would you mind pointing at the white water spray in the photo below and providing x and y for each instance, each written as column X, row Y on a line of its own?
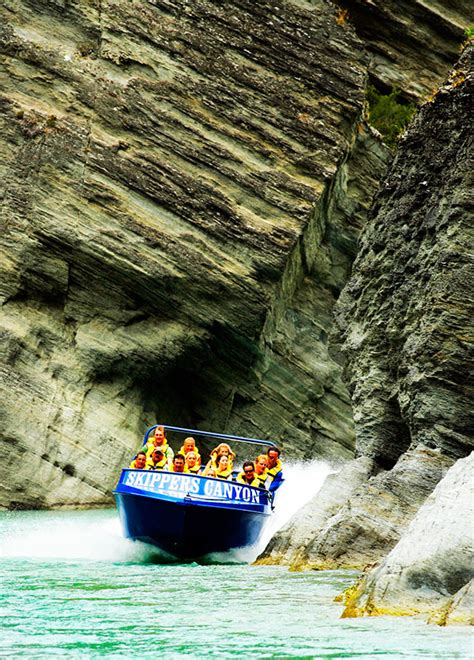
column 303, row 480
column 97, row 535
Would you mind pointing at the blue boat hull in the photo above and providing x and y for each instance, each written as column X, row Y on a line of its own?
column 189, row 516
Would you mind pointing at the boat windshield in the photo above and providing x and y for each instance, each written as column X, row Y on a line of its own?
column 251, row 461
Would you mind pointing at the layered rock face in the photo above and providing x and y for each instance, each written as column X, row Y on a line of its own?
column 406, row 321
column 411, row 43
column 184, row 183
column 431, row 569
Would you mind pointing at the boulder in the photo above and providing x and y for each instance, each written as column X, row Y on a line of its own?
column 431, row 568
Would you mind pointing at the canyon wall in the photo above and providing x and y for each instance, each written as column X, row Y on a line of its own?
column 183, row 187
column 412, row 44
column 405, row 322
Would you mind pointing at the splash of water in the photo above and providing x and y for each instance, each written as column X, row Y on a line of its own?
column 96, row 535
column 303, row 480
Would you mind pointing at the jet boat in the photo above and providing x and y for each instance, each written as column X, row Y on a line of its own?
column 188, row 515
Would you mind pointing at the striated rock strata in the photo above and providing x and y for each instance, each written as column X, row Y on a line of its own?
column 406, row 322
column 412, row 44
column 431, row 569
column 184, row 184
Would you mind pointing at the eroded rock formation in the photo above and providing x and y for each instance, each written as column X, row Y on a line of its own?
column 431, row 569
column 184, row 183
column 412, row 44
column 406, row 321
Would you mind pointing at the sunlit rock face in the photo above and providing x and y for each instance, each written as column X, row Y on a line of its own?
column 411, row 44
column 431, row 569
column 405, row 318
column 184, row 184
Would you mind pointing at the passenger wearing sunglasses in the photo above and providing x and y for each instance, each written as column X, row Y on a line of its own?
column 247, row 476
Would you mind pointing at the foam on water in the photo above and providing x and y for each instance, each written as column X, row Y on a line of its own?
column 97, row 535
column 71, row 536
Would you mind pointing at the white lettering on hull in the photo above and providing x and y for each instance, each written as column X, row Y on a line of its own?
column 178, row 485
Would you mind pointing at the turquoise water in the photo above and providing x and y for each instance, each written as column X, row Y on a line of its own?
column 73, row 587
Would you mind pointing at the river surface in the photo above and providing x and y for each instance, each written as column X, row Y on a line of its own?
column 73, row 587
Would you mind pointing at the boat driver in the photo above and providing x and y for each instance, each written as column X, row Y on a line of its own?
column 247, row 476
column 139, row 462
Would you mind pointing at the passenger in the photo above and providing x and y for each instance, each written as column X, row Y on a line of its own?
column 192, row 464
column 159, row 440
column 139, row 462
column 247, row 476
column 224, row 470
column 178, row 464
column 189, row 444
column 209, row 472
column 261, row 464
column 223, row 448
column 157, row 460
column 274, row 469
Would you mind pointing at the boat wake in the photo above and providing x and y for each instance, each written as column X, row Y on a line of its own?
column 97, row 536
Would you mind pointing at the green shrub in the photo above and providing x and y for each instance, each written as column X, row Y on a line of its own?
column 387, row 114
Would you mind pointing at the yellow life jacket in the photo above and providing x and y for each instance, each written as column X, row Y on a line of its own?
column 195, row 450
column 241, row 480
column 193, row 470
column 133, row 465
column 161, row 465
column 272, row 472
column 168, row 452
column 261, row 478
column 224, row 474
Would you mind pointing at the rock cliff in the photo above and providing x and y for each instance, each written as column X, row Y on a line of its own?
column 184, row 184
column 405, row 318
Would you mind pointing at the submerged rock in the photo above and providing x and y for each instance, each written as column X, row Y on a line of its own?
column 430, row 570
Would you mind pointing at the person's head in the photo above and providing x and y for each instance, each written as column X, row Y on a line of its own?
column 261, row 464
column 211, row 472
column 249, row 470
column 191, row 459
column 223, row 448
column 223, row 462
column 178, row 463
column 140, row 460
column 157, row 455
column 273, row 455
column 159, row 436
column 189, row 444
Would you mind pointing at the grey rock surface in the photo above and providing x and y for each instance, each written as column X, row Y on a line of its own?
column 290, row 546
column 405, row 318
column 432, row 565
column 184, row 184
